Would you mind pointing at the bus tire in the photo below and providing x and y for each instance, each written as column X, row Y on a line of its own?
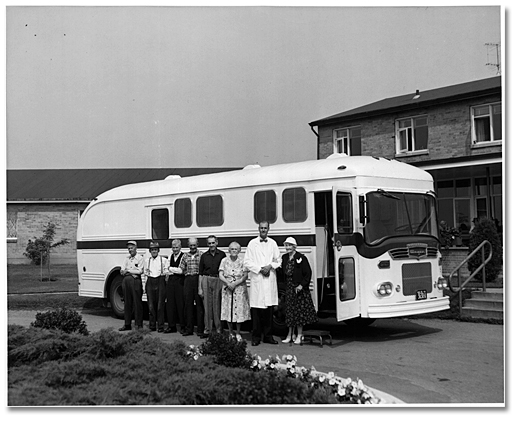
column 116, row 297
column 359, row 322
column 279, row 326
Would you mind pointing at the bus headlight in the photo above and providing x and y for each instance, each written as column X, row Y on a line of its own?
column 442, row 283
column 384, row 289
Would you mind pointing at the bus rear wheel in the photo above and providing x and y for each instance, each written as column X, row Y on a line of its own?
column 116, row 297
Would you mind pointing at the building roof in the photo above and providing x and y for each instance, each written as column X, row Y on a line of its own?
column 83, row 185
column 426, row 98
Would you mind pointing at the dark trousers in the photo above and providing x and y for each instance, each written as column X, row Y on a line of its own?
column 262, row 323
column 175, row 301
column 156, row 294
column 193, row 302
column 133, row 294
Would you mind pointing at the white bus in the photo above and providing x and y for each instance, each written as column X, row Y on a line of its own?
column 367, row 225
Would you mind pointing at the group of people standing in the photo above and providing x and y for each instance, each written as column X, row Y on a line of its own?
column 211, row 287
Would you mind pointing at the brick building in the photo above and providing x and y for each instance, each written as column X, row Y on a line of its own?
column 453, row 132
column 36, row 197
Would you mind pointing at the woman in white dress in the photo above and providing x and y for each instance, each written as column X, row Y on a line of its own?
column 235, row 301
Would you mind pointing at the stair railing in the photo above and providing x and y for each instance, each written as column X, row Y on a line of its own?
column 482, row 266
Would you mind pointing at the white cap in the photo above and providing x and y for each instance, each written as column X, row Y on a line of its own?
column 291, row 240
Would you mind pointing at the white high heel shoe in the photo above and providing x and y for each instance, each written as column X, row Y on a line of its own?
column 298, row 340
column 287, row 340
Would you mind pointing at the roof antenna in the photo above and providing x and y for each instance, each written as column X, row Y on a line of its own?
column 417, row 95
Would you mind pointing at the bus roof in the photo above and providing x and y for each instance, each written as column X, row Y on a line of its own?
column 334, row 167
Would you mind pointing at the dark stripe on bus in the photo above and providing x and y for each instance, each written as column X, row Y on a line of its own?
column 223, row 242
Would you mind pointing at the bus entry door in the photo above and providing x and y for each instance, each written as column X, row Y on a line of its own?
column 345, row 263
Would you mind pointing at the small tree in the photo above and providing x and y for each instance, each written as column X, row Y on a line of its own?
column 485, row 229
column 39, row 251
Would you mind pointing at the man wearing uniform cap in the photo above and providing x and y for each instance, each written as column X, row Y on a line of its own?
column 131, row 270
column 155, row 271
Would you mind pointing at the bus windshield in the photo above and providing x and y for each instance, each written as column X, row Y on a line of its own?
column 393, row 214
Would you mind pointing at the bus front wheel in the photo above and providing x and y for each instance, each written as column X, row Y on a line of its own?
column 116, row 297
column 359, row 322
column 279, row 326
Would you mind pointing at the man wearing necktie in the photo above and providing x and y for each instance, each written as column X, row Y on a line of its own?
column 262, row 258
column 155, row 271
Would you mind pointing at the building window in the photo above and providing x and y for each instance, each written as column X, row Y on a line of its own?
column 294, row 205
column 454, row 201
column 12, row 220
column 486, row 123
column 265, row 206
column 411, row 135
column 182, row 217
column 348, row 140
column 160, row 224
column 210, row 211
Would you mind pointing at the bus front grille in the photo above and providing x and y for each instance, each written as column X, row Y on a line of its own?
column 403, row 253
column 417, row 276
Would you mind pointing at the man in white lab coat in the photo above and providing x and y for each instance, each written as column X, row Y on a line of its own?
column 262, row 258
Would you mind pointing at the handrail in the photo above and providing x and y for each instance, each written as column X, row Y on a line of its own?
column 474, row 273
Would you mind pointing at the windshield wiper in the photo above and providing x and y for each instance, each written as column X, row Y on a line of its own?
column 388, row 195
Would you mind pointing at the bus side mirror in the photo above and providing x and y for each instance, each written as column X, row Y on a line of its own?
column 362, row 210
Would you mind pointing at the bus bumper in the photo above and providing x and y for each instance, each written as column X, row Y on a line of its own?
column 408, row 308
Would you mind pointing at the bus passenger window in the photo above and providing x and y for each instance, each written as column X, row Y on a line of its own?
column 210, row 211
column 294, row 205
column 160, row 224
column 344, row 212
column 182, row 217
column 265, row 206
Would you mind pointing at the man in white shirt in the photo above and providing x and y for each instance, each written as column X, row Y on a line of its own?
column 155, row 271
column 131, row 270
column 262, row 258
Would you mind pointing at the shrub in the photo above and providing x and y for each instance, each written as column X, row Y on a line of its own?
column 226, row 351
column 66, row 320
column 485, row 229
column 36, row 251
column 447, row 234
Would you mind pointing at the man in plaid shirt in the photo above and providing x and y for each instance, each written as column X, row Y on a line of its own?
column 192, row 301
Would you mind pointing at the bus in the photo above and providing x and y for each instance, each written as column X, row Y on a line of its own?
column 368, row 226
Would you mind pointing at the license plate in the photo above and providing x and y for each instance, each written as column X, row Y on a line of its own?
column 420, row 294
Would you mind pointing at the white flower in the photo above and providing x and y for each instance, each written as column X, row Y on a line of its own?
column 360, row 384
column 330, row 375
column 321, row 378
column 272, row 365
column 195, row 357
column 292, row 371
column 332, row 381
column 341, row 391
column 289, row 357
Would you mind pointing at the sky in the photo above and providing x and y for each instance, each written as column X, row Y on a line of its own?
column 124, row 87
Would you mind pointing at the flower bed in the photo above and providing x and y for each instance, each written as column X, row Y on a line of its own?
column 345, row 390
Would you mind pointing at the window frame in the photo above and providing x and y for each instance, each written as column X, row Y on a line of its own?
column 346, row 140
column 284, row 216
column 197, row 215
column 492, row 141
column 255, row 216
column 410, row 131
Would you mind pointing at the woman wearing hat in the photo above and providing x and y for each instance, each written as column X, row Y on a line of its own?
column 299, row 307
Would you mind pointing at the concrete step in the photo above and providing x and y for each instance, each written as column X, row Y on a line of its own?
column 482, row 313
column 489, row 294
column 484, row 303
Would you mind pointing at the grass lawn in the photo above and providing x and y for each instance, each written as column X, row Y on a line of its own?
column 24, row 281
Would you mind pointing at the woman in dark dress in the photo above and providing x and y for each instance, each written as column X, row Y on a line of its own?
column 299, row 306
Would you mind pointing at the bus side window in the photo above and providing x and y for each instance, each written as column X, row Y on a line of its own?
column 160, row 224
column 344, row 212
column 210, row 211
column 265, row 206
column 294, row 205
column 182, row 216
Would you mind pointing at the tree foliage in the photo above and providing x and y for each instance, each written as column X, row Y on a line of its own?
column 485, row 229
